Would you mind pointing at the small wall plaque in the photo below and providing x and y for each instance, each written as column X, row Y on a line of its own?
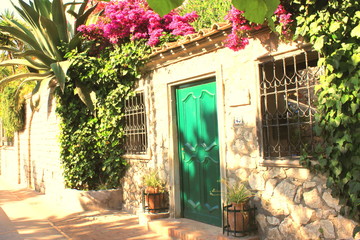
column 239, row 97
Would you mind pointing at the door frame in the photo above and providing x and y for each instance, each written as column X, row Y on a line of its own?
column 174, row 166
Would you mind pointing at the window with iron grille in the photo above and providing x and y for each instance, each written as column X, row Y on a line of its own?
column 135, row 125
column 288, row 105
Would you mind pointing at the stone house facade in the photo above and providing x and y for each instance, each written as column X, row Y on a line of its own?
column 209, row 113
column 291, row 202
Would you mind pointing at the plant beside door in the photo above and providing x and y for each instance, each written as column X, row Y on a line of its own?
column 155, row 195
column 239, row 217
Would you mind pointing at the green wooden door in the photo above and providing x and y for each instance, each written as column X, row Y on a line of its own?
column 199, row 151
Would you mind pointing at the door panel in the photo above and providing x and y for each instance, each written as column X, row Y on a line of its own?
column 199, row 151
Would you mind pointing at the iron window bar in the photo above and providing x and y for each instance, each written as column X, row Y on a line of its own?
column 135, row 129
column 288, row 104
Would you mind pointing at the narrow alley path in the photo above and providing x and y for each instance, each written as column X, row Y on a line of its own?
column 26, row 214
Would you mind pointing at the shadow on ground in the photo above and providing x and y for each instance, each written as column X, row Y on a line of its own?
column 26, row 214
column 102, row 225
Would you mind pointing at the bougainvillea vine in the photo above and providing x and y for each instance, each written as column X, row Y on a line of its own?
column 238, row 39
column 133, row 20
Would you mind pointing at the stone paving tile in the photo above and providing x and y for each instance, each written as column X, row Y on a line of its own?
column 28, row 215
column 104, row 225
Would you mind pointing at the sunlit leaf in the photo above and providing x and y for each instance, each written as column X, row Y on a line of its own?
column 85, row 94
column 60, row 69
column 356, row 31
column 256, row 10
column 163, row 7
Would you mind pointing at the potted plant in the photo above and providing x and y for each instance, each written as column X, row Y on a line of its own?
column 237, row 196
column 155, row 195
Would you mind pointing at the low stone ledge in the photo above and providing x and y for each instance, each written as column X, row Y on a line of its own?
column 78, row 201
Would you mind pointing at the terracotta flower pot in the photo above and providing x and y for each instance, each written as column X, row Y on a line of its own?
column 155, row 199
column 238, row 221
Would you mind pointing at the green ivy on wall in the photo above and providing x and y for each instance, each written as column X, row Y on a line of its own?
column 334, row 29
column 91, row 142
column 12, row 112
column 12, row 109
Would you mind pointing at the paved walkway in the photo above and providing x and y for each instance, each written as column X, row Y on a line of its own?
column 26, row 214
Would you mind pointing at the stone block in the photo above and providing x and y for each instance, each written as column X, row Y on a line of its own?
column 300, row 214
column 330, row 201
column 298, row 173
column 327, row 213
column 311, row 231
column 314, row 230
column 278, row 207
column 290, row 229
column 269, row 189
column 284, row 191
column 307, row 185
column 298, row 195
column 296, row 182
column 274, row 234
column 91, row 200
column 261, row 219
column 327, row 229
column 276, row 172
column 273, row 220
column 238, row 161
column 283, row 196
column 247, row 162
column 344, row 227
column 312, row 199
column 256, row 181
column 242, row 174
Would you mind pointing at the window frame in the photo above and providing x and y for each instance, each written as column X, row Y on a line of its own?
column 287, row 162
column 147, row 154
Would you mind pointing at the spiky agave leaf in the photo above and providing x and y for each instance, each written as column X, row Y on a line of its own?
column 47, row 27
column 24, row 62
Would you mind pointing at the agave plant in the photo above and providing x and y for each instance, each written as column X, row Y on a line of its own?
column 48, row 32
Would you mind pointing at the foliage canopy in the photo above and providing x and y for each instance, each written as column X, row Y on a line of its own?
column 334, row 29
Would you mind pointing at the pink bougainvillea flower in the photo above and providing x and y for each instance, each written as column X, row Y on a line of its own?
column 237, row 39
column 133, row 19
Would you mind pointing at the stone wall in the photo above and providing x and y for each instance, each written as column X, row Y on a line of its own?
column 292, row 203
column 78, row 201
column 132, row 187
column 132, row 184
column 157, row 156
column 34, row 161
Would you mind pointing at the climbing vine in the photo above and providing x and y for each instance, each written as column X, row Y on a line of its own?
column 91, row 142
column 12, row 109
column 334, row 29
column 119, row 44
column 12, row 112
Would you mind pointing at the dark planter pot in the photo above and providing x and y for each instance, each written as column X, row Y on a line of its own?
column 238, row 218
column 156, row 201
